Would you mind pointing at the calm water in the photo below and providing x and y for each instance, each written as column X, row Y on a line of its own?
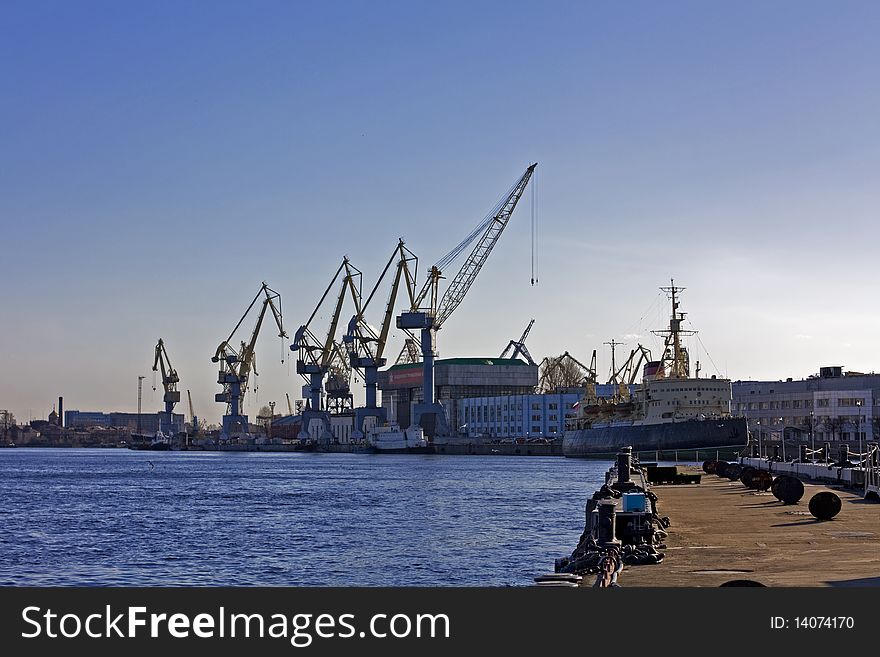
column 106, row 517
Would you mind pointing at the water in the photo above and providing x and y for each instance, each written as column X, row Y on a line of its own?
column 106, row 517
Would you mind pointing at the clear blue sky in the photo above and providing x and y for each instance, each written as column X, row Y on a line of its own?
column 159, row 160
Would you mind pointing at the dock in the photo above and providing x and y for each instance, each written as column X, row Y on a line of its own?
column 723, row 531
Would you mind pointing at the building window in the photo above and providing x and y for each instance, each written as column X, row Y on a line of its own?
column 822, row 403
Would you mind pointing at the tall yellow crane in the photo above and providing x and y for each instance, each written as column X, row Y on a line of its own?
column 316, row 358
column 236, row 366
column 169, row 384
column 429, row 311
column 366, row 345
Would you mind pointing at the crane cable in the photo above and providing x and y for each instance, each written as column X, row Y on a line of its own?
column 534, row 227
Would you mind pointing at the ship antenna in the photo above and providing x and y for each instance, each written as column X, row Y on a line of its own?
column 680, row 367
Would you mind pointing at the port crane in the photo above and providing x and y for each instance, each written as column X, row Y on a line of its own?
column 429, row 311
column 236, row 366
column 162, row 363
column 516, row 348
column 550, row 376
column 366, row 345
column 316, row 358
column 195, row 420
column 289, row 406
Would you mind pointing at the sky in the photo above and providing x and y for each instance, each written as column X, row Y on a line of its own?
column 161, row 159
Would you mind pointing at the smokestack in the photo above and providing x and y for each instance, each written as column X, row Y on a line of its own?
column 61, row 411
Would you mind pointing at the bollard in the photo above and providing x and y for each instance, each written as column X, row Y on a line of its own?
column 624, row 463
column 605, row 523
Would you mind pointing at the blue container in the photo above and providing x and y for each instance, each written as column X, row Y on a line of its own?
column 635, row 502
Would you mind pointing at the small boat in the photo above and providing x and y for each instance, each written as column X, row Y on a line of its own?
column 391, row 439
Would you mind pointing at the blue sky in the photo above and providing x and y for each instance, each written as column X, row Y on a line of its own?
column 160, row 160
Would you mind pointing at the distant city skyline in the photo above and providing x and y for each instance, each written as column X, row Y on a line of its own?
column 161, row 161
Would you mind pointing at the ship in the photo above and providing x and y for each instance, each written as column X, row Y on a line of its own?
column 670, row 410
column 391, row 439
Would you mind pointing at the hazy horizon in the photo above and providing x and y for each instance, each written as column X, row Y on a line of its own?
column 162, row 160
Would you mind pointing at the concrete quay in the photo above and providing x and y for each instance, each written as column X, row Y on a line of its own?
column 723, row 531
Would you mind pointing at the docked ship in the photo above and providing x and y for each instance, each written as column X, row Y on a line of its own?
column 391, row 439
column 669, row 410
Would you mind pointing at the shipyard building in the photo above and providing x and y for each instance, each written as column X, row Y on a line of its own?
column 522, row 416
column 455, row 380
column 149, row 422
column 835, row 406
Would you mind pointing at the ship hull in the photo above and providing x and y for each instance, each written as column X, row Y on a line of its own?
column 689, row 434
column 421, row 449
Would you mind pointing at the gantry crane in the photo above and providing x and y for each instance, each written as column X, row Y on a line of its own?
column 236, row 366
column 317, row 357
column 517, row 348
column 169, row 384
column 428, row 312
column 365, row 345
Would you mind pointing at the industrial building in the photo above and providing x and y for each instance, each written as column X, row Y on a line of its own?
column 149, row 422
column 455, row 379
column 835, row 406
column 522, row 416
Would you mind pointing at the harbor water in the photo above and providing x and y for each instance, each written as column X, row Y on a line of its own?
column 115, row 517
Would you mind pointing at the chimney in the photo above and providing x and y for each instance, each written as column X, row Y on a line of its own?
column 61, row 411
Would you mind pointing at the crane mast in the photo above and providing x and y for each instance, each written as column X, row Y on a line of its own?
column 192, row 415
column 236, row 366
column 428, row 312
column 162, row 363
column 365, row 346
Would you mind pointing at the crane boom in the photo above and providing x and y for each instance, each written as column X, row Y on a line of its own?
column 466, row 275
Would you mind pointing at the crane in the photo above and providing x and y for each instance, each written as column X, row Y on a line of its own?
column 366, row 346
column 192, row 414
column 169, row 383
column 553, row 375
column 317, row 357
column 289, row 407
column 519, row 347
column 236, row 366
column 410, row 351
column 429, row 311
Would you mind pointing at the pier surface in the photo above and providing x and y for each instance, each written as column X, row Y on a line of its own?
column 722, row 531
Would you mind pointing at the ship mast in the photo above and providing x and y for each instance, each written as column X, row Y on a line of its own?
column 678, row 361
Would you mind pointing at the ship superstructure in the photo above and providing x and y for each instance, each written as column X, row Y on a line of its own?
column 669, row 410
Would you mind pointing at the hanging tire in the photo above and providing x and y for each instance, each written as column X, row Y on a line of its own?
column 787, row 489
column 733, row 472
column 825, row 505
